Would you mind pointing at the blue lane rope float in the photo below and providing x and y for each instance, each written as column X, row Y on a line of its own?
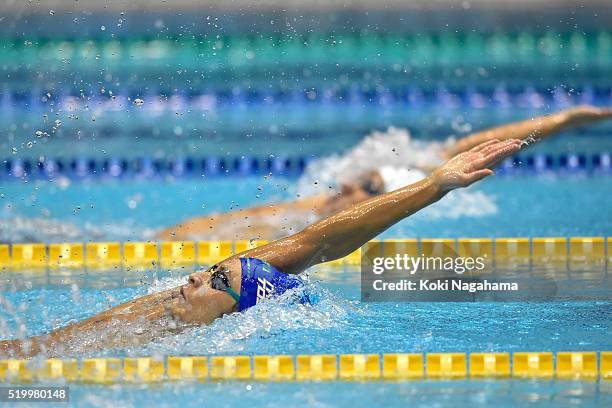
column 527, row 95
column 547, row 365
column 214, row 166
column 148, row 167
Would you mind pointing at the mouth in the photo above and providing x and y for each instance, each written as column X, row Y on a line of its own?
column 182, row 293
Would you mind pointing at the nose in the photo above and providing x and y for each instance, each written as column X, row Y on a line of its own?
column 195, row 280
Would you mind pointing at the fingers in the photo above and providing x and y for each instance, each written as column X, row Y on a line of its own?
column 503, row 150
column 496, row 146
column 481, row 146
column 589, row 113
column 490, row 146
column 478, row 175
column 494, row 154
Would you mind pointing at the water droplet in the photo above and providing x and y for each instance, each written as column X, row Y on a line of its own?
column 58, row 123
column 52, row 12
column 138, row 102
column 103, row 28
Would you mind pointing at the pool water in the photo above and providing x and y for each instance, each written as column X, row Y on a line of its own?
column 552, row 204
column 311, row 129
column 64, row 211
column 336, row 323
column 509, row 393
column 313, row 108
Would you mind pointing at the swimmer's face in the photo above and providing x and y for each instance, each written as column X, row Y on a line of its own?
column 199, row 302
column 366, row 185
column 372, row 183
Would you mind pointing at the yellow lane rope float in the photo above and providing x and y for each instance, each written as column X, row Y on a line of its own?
column 568, row 365
column 574, row 253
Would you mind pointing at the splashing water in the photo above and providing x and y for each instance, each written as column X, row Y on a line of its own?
column 400, row 160
column 268, row 320
column 394, row 148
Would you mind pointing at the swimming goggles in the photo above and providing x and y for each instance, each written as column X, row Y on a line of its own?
column 220, row 281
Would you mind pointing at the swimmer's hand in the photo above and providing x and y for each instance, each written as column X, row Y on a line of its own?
column 584, row 114
column 473, row 165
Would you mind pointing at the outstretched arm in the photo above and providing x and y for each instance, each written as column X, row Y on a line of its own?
column 347, row 230
column 538, row 128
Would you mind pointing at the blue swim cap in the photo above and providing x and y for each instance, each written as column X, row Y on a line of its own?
column 260, row 280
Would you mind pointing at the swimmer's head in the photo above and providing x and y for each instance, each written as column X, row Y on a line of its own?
column 365, row 186
column 371, row 183
column 205, row 297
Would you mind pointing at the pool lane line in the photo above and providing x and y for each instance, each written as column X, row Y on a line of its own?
column 461, row 46
column 213, row 166
column 563, row 253
column 587, row 366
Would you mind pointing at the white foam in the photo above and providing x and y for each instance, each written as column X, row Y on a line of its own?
column 236, row 332
column 394, row 148
column 401, row 160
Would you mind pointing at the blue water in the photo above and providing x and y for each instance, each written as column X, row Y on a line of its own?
column 131, row 209
column 508, row 393
column 555, row 205
column 505, row 393
column 311, row 129
column 551, row 205
column 337, row 323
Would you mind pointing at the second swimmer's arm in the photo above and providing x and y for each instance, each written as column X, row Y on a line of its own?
column 347, row 230
column 539, row 127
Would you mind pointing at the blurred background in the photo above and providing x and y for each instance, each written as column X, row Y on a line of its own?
column 163, row 91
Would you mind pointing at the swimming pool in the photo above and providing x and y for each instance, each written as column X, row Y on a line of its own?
column 339, row 323
column 132, row 209
column 84, row 162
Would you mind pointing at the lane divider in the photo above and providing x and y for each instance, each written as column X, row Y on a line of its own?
column 239, row 50
column 574, row 253
column 523, row 95
column 83, row 168
column 564, row 365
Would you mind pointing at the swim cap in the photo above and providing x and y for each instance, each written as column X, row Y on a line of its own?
column 260, row 280
column 398, row 177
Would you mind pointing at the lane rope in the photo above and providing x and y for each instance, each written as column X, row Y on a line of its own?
column 564, row 253
column 324, row 367
column 214, row 166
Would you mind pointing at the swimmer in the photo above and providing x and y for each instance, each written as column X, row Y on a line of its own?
column 241, row 281
column 274, row 221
